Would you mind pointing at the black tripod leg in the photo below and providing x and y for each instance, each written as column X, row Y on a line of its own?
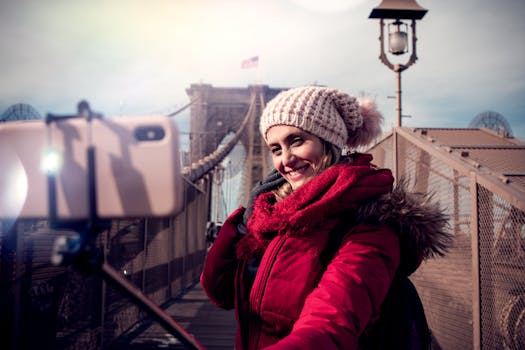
column 112, row 276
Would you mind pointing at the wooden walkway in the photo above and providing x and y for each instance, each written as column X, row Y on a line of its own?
column 213, row 327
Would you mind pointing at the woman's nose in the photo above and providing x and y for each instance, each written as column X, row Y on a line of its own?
column 288, row 157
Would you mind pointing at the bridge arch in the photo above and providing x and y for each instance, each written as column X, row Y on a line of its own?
column 219, row 111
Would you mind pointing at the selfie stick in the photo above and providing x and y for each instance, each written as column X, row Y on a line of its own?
column 82, row 252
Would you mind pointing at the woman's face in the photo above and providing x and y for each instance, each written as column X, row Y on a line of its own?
column 296, row 154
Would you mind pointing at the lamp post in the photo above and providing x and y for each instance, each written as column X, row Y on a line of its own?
column 398, row 39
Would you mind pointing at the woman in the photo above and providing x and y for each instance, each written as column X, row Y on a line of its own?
column 309, row 263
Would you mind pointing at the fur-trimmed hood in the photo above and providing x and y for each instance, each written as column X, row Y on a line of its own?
column 420, row 223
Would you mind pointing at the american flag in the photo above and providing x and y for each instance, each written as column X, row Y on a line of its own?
column 251, row 62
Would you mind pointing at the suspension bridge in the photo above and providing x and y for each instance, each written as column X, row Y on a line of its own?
column 474, row 297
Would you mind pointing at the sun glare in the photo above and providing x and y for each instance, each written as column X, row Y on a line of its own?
column 51, row 162
column 14, row 191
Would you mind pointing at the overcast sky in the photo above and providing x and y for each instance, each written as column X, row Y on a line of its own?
column 136, row 57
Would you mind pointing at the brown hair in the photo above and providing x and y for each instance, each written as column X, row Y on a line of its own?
column 332, row 155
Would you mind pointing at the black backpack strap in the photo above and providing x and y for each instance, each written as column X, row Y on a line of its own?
column 402, row 323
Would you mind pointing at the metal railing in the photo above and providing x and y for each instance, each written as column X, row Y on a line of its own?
column 474, row 297
column 50, row 307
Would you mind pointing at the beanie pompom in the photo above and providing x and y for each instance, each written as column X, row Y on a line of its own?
column 348, row 108
column 371, row 126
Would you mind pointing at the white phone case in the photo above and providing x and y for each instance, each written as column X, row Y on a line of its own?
column 137, row 167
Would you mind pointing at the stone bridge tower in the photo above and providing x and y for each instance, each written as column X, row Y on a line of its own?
column 218, row 111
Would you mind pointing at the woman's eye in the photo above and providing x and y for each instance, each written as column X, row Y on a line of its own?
column 297, row 141
column 275, row 150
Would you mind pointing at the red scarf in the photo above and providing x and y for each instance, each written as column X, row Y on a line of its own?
column 335, row 193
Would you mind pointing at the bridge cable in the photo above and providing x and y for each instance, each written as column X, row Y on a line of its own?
column 183, row 108
column 200, row 168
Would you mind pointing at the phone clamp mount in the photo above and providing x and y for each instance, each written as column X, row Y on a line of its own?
column 80, row 249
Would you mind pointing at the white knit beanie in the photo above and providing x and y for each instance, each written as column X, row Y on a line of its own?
column 327, row 113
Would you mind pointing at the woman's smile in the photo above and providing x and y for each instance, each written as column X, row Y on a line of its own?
column 298, row 171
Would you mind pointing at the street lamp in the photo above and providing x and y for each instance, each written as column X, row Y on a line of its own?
column 398, row 38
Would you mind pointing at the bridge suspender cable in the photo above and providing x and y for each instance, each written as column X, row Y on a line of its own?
column 198, row 169
column 183, row 108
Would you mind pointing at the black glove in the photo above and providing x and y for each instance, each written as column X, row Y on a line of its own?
column 272, row 181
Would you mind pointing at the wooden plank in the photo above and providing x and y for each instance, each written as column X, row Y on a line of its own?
column 213, row 327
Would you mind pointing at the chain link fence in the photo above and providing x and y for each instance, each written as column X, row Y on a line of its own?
column 474, row 297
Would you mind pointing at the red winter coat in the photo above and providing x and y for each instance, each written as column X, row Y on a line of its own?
column 296, row 301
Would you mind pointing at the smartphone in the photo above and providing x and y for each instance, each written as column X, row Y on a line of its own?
column 137, row 167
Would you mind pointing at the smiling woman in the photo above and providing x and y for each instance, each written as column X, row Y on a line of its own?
column 311, row 260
